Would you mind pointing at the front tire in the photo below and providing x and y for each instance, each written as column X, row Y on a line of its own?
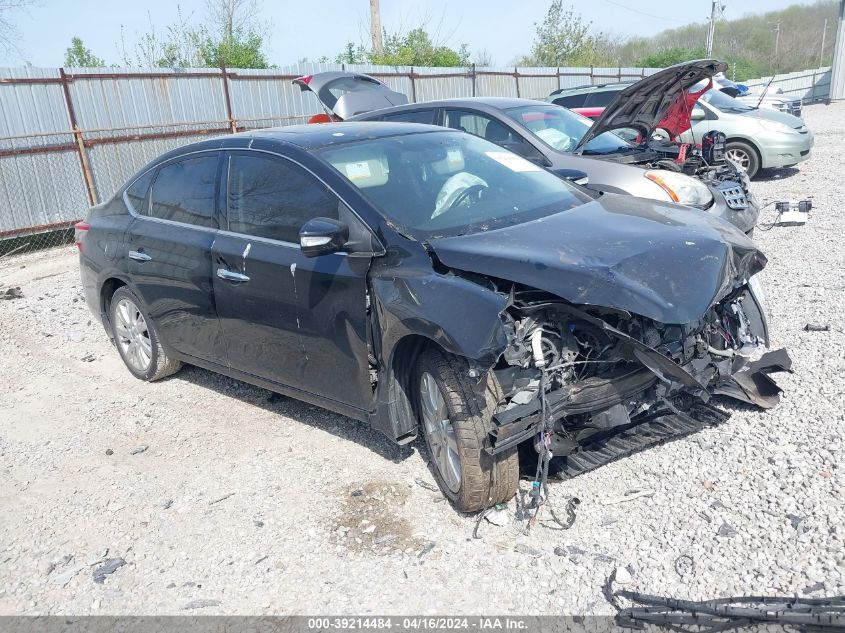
column 136, row 339
column 455, row 424
column 743, row 156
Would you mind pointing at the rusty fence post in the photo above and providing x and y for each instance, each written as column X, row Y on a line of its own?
column 233, row 124
column 473, row 80
column 411, row 76
column 87, row 175
column 516, row 80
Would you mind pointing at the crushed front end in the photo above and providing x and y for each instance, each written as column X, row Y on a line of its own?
column 573, row 376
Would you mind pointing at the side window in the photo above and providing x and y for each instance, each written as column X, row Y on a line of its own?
column 184, row 191
column 417, row 116
column 273, row 198
column 601, row 99
column 480, row 125
column 571, row 101
column 138, row 192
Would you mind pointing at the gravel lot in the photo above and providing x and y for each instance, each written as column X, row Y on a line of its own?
column 222, row 497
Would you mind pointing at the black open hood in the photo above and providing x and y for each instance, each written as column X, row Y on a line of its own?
column 657, row 260
column 643, row 105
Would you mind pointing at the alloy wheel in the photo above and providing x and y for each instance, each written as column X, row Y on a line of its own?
column 440, row 433
column 133, row 335
column 739, row 158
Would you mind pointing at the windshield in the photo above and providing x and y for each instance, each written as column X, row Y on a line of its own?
column 561, row 129
column 723, row 102
column 446, row 183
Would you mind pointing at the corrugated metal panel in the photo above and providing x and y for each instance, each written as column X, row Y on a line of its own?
column 837, row 84
column 131, row 102
column 41, row 188
column 808, row 85
column 114, row 164
column 27, row 109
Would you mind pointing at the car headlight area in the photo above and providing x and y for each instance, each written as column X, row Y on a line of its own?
column 681, row 188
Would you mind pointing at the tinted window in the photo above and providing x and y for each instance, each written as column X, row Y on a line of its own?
column 137, row 193
column 571, row 101
column 273, row 198
column 601, row 99
column 184, row 191
column 480, row 125
column 417, row 116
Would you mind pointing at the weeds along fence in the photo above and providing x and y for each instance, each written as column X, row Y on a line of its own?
column 69, row 137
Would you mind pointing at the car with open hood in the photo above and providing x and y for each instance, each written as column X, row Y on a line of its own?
column 563, row 142
column 756, row 137
column 426, row 281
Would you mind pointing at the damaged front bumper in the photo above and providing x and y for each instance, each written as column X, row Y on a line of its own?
column 620, row 399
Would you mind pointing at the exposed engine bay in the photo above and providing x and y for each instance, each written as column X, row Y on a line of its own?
column 570, row 373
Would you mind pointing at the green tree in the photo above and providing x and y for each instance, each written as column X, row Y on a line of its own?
column 670, row 57
column 229, row 36
column 562, row 38
column 414, row 48
column 78, row 56
column 240, row 49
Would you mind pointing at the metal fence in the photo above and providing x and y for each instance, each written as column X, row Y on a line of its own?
column 69, row 137
column 809, row 85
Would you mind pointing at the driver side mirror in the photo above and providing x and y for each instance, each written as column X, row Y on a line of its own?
column 697, row 114
column 322, row 236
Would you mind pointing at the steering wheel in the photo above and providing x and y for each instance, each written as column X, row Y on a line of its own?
column 466, row 194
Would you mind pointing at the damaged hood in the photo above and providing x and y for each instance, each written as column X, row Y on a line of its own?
column 657, row 260
column 643, row 105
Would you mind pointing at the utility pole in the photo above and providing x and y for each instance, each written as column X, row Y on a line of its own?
column 821, row 52
column 711, row 29
column 375, row 26
column 777, row 40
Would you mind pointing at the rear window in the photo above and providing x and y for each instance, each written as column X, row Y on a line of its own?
column 601, row 99
column 137, row 193
column 571, row 101
column 417, row 116
column 335, row 89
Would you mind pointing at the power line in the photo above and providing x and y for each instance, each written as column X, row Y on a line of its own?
column 648, row 15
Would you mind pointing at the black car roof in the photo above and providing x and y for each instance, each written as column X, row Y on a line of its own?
column 308, row 137
column 494, row 103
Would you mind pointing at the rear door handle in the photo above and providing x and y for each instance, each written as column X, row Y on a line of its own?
column 139, row 256
column 228, row 275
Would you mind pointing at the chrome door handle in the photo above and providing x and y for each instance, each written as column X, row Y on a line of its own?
column 139, row 256
column 228, row 275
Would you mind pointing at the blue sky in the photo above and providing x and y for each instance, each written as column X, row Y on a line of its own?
column 505, row 28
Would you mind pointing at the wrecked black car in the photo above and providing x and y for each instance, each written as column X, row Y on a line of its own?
column 421, row 279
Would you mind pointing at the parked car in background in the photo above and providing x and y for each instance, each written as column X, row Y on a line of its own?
column 427, row 280
column 769, row 97
column 756, row 138
column 555, row 138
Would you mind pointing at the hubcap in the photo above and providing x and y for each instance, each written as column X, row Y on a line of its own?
column 440, row 433
column 133, row 335
column 739, row 158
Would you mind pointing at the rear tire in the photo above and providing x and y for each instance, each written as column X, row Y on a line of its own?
column 744, row 156
column 482, row 479
column 136, row 339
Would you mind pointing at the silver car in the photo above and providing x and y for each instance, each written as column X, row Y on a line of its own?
column 756, row 138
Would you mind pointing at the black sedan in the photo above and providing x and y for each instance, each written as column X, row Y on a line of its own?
column 419, row 278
